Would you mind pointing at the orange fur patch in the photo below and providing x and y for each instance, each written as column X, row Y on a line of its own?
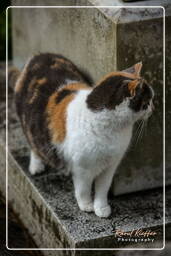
column 20, row 80
column 32, row 84
column 35, row 84
column 61, row 63
column 57, row 116
column 31, row 141
column 35, row 95
column 60, row 60
column 55, row 65
column 42, row 81
column 76, row 86
column 132, row 86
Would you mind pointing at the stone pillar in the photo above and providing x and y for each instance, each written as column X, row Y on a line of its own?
column 142, row 40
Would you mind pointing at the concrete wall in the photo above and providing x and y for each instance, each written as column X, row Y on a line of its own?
column 100, row 41
column 143, row 41
column 83, row 36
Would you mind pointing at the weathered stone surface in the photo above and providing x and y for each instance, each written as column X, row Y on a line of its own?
column 75, row 33
column 139, row 3
column 99, row 41
column 47, row 207
column 46, row 2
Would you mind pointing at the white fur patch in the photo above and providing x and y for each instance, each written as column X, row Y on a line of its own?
column 36, row 165
column 94, row 145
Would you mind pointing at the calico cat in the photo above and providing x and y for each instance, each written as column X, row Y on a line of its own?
column 66, row 120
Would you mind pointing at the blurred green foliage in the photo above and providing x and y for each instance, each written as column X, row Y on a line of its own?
column 4, row 5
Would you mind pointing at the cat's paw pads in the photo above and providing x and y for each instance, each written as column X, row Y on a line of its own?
column 86, row 207
column 35, row 169
column 103, row 212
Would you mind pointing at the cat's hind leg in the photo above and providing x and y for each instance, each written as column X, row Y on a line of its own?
column 83, row 188
column 36, row 165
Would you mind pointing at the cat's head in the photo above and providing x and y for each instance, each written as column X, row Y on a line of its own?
column 125, row 92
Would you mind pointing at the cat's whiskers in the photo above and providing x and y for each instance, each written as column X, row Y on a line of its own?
column 142, row 131
column 136, row 133
column 139, row 137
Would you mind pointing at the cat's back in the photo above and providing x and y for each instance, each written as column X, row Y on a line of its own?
column 47, row 68
column 42, row 78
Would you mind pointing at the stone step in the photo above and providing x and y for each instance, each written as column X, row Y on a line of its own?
column 100, row 40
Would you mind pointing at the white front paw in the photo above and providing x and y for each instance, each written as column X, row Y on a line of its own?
column 86, row 206
column 103, row 212
column 36, row 168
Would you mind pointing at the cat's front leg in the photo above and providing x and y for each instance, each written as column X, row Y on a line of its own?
column 36, row 165
column 102, row 185
column 83, row 186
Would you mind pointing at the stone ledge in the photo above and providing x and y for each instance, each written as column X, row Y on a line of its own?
column 125, row 15
column 46, row 205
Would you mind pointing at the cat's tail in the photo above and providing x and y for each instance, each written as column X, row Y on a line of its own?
column 13, row 74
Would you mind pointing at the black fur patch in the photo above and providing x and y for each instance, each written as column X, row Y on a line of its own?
column 110, row 93
column 64, row 93
column 143, row 95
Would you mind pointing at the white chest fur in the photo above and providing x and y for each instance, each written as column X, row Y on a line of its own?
column 94, row 145
column 93, row 139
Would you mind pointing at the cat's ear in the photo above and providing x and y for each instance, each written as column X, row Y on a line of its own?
column 135, row 69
